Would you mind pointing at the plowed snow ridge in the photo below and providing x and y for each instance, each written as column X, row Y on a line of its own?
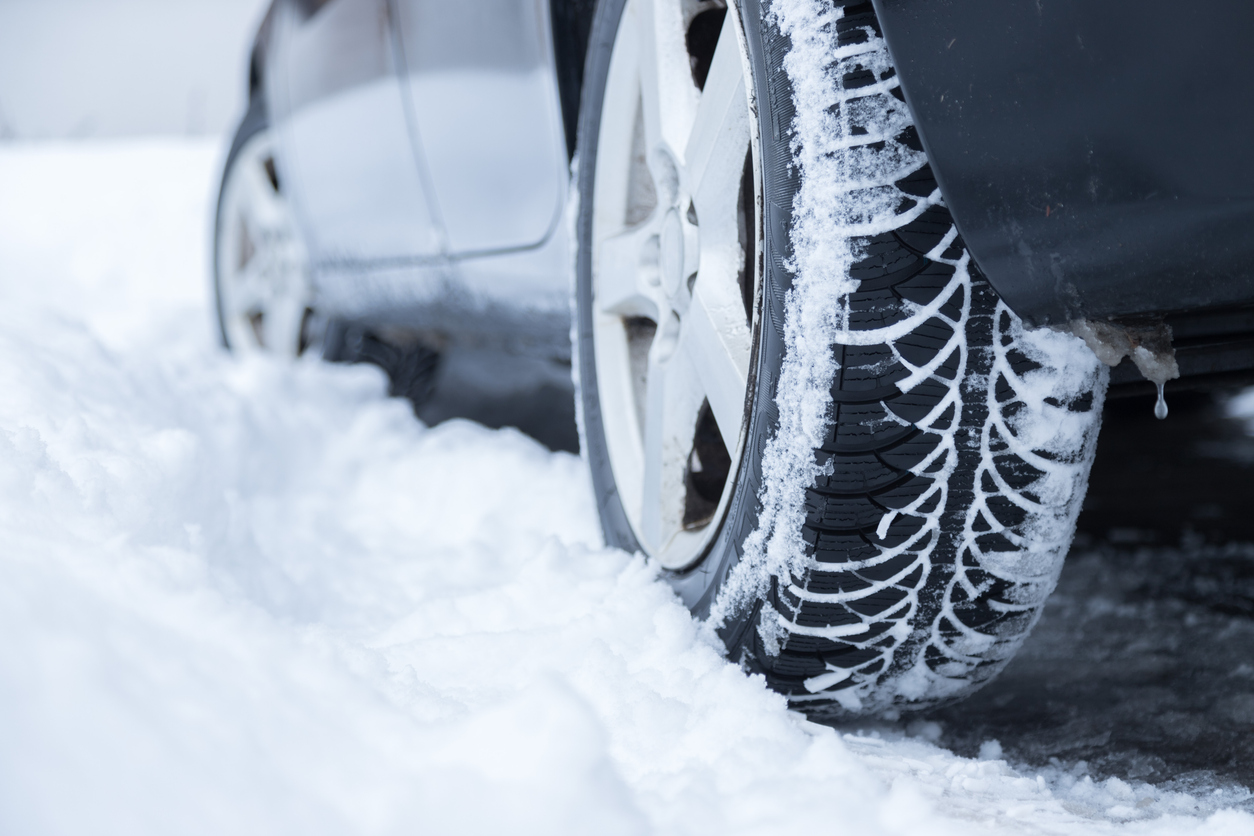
column 243, row 597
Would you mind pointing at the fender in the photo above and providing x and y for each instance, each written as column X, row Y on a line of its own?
column 1095, row 154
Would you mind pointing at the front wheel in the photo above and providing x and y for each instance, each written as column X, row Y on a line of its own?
column 800, row 398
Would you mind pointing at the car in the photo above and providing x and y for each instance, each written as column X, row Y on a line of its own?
column 839, row 284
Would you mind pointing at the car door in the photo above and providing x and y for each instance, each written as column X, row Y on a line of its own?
column 479, row 76
column 337, row 104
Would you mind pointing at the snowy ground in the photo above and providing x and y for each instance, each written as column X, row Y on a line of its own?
column 249, row 598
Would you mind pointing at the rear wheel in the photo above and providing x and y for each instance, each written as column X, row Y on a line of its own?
column 261, row 282
column 799, row 396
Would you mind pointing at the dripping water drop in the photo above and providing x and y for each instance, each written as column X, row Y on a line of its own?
column 1160, row 408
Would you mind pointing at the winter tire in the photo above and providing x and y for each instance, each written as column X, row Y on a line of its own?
column 799, row 396
column 261, row 285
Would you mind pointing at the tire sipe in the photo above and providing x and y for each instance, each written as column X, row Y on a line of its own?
column 799, row 396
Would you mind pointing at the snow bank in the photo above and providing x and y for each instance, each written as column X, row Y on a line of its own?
column 250, row 598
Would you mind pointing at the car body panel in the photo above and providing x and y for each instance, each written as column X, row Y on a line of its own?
column 480, row 78
column 423, row 149
column 345, row 152
column 1095, row 155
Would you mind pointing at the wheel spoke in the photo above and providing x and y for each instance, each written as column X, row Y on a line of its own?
column 667, row 103
column 627, row 273
column 249, row 288
column 715, row 153
column 673, row 403
column 716, row 342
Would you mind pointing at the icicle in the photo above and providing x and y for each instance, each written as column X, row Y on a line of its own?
column 1148, row 346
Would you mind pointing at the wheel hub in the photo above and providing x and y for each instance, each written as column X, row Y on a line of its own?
column 672, row 255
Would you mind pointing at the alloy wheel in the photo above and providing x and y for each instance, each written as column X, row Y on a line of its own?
column 675, row 238
column 262, row 279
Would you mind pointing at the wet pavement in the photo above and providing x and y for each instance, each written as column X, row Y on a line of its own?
column 1142, row 665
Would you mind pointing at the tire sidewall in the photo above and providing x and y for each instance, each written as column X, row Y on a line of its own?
column 699, row 585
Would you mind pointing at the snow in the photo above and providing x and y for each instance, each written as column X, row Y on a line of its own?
column 1149, row 348
column 250, row 597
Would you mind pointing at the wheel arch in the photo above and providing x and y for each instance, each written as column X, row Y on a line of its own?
column 259, row 53
column 571, row 22
column 1089, row 177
